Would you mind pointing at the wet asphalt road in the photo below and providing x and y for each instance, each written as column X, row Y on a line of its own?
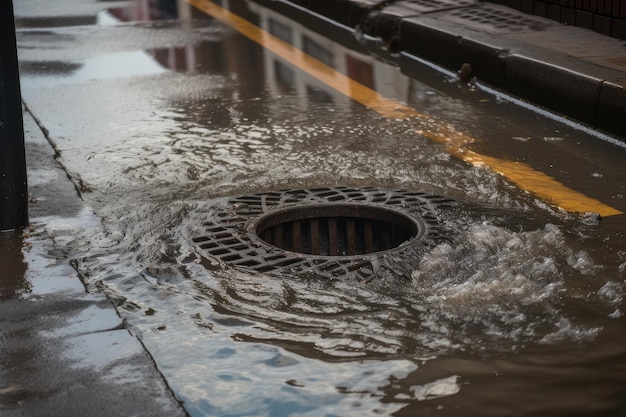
column 159, row 115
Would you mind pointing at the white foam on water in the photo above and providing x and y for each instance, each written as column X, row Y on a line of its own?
column 495, row 283
column 437, row 389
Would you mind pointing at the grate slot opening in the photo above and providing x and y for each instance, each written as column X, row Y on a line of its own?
column 341, row 230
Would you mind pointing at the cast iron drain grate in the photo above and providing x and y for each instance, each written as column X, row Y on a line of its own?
column 336, row 229
column 429, row 6
column 335, row 233
column 496, row 19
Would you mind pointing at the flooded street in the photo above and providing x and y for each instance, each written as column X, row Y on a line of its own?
column 164, row 118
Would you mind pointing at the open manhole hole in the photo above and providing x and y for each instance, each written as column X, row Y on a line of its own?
column 337, row 233
column 337, row 229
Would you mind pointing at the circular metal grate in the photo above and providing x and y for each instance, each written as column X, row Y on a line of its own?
column 336, row 229
column 341, row 232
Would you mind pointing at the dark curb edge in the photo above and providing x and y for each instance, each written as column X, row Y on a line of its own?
column 578, row 90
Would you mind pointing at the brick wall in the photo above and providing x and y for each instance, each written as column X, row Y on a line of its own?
column 604, row 16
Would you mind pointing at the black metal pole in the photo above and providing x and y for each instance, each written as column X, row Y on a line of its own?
column 13, row 186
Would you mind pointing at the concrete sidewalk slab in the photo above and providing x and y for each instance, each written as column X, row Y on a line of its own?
column 65, row 352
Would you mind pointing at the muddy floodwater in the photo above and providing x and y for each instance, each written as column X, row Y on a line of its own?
column 163, row 116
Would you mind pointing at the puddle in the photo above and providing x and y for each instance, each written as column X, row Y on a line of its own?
column 502, row 289
column 51, row 22
column 143, row 11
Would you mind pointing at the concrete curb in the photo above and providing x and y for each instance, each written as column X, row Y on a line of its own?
column 558, row 83
column 544, row 70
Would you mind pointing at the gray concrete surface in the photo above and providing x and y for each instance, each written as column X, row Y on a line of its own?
column 64, row 351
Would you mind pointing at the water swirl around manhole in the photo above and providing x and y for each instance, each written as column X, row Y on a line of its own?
column 335, row 233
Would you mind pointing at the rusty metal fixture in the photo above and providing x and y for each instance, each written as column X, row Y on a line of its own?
column 336, row 233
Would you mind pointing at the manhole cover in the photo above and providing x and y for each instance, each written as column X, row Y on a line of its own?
column 336, row 233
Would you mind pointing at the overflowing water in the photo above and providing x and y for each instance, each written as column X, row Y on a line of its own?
column 521, row 300
column 233, row 342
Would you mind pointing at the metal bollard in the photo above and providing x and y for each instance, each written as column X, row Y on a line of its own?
column 13, row 185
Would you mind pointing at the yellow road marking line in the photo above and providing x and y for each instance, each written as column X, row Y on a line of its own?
column 542, row 185
column 537, row 183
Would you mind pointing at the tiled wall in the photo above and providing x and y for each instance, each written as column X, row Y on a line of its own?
column 604, row 16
